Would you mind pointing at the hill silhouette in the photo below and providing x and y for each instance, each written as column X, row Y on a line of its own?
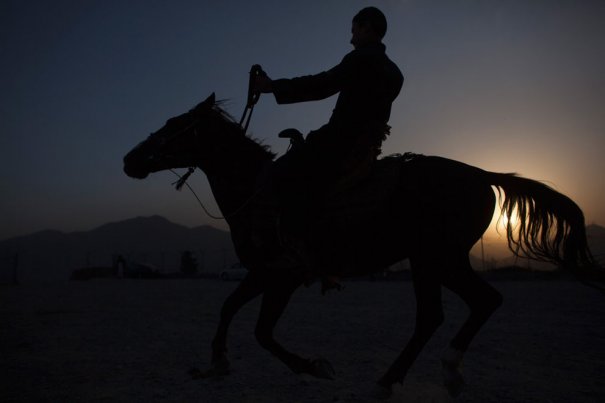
column 52, row 255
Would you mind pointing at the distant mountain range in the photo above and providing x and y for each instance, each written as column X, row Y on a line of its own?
column 53, row 255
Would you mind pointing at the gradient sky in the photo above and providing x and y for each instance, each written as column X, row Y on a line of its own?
column 513, row 86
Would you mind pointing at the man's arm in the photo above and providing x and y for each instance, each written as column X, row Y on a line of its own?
column 305, row 88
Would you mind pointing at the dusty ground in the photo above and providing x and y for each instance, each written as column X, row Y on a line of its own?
column 134, row 340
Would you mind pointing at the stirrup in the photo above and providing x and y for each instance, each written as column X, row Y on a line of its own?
column 295, row 136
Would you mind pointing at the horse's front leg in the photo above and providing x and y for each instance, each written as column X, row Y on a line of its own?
column 249, row 288
column 275, row 300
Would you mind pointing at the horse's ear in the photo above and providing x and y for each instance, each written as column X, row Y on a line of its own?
column 211, row 100
column 205, row 105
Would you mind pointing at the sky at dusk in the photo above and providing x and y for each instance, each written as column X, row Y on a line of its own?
column 509, row 86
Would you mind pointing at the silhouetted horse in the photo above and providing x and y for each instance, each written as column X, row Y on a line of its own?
column 428, row 209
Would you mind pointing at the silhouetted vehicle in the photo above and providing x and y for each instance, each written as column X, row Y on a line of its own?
column 88, row 273
column 236, row 271
column 140, row 270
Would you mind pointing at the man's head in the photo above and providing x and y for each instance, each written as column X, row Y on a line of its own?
column 369, row 25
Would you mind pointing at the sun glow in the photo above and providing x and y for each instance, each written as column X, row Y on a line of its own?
column 506, row 221
column 493, row 247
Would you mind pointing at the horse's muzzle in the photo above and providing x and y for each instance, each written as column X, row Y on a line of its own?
column 135, row 174
column 134, row 170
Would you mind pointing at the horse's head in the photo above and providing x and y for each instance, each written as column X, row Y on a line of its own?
column 178, row 144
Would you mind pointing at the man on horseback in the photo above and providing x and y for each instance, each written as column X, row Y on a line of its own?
column 341, row 152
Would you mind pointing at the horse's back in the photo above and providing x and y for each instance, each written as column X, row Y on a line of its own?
column 405, row 199
column 448, row 199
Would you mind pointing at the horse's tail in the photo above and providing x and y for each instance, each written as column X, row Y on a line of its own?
column 550, row 226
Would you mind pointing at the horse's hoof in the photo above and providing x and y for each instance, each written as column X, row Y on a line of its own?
column 197, row 373
column 453, row 381
column 321, row 368
column 220, row 367
column 381, row 392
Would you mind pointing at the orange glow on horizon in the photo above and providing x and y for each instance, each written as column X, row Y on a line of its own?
column 493, row 247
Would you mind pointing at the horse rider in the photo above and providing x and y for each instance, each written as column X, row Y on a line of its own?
column 367, row 83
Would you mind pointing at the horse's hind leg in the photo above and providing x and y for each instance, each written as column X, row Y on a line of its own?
column 429, row 316
column 483, row 300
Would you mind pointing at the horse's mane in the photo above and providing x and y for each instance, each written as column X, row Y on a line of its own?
column 248, row 139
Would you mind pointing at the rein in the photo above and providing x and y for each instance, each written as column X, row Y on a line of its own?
column 183, row 181
column 253, row 97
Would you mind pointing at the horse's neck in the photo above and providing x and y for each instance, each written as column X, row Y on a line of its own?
column 233, row 179
column 230, row 194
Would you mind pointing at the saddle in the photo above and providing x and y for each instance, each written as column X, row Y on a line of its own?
column 367, row 194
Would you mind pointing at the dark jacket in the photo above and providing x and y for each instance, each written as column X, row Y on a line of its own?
column 367, row 82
